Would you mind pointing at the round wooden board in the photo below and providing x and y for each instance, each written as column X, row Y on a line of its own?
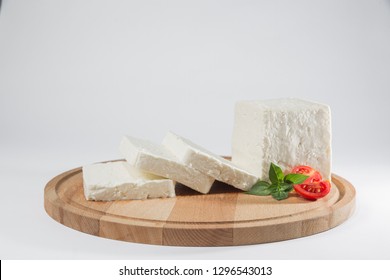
column 224, row 217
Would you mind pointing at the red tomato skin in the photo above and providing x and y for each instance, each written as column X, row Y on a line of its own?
column 314, row 175
column 302, row 169
column 303, row 190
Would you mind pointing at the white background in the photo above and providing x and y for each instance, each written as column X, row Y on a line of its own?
column 281, row 269
column 77, row 75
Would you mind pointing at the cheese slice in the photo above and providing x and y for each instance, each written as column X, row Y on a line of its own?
column 120, row 181
column 158, row 160
column 287, row 132
column 208, row 163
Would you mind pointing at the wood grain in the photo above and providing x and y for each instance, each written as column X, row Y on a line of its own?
column 224, row 217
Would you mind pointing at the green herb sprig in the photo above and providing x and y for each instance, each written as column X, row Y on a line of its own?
column 280, row 185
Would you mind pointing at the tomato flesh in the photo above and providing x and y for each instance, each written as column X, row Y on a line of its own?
column 313, row 191
column 314, row 175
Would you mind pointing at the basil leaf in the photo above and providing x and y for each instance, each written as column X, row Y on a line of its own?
column 295, row 178
column 280, row 190
column 287, row 187
column 275, row 174
column 260, row 188
column 274, row 187
column 279, row 194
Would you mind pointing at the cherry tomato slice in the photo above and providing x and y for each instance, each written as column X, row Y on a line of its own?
column 314, row 190
column 314, row 175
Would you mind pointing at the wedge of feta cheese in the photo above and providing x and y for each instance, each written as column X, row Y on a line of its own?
column 156, row 159
column 120, row 181
column 287, row 132
column 208, row 163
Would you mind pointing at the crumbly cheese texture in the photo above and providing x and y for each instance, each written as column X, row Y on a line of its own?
column 208, row 163
column 156, row 159
column 287, row 132
column 120, row 181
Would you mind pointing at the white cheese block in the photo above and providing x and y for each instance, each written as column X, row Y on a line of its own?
column 208, row 163
column 287, row 132
column 120, row 181
column 158, row 160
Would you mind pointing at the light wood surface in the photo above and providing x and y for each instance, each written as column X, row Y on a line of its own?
column 225, row 217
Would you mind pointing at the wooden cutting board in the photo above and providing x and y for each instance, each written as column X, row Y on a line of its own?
column 224, row 217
